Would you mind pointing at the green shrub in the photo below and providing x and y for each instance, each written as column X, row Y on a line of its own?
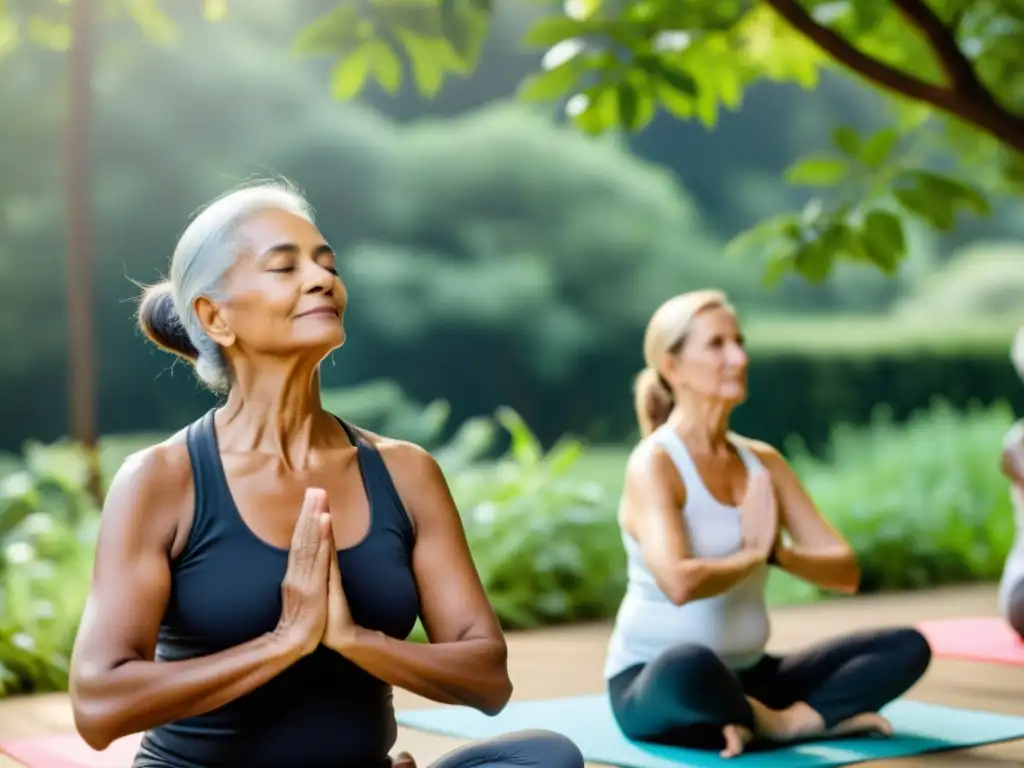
column 923, row 503
column 545, row 542
column 809, row 375
column 47, row 536
column 983, row 280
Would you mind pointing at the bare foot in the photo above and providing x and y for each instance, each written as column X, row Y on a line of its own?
column 864, row 723
column 403, row 760
column 736, row 738
column 796, row 722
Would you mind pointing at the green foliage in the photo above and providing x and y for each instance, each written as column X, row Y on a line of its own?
column 923, row 503
column 545, row 542
column 542, row 534
column 983, row 283
column 862, row 221
column 614, row 63
column 809, row 375
column 47, row 534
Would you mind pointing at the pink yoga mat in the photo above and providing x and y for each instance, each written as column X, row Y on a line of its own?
column 976, row 639
column 67, row 750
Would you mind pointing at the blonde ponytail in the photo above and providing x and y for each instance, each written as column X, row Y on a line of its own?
column 653, row 400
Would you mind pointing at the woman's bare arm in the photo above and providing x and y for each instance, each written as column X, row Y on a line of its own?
column 466, row 660
column 116, row 686
column 817, row 552
column 652, row 501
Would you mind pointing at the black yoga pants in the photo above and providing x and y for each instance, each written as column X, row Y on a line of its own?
column 536, row 749
column 688, row 694
column 1015, row 609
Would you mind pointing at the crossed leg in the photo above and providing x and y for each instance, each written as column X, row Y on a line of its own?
column 523, row 749
column 689, row 697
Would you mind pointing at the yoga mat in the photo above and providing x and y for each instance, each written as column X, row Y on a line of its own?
column 987, row 638
column 67, row 750
column 587, row 720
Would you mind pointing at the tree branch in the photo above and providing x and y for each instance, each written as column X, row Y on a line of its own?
column 959, row 70
column 984, row 114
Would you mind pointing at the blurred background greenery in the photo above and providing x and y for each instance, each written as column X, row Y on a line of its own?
column 501, row 266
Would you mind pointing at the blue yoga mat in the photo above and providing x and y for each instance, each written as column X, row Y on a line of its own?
column 587, row 720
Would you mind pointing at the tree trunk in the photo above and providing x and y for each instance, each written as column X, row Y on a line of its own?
column 78, row 190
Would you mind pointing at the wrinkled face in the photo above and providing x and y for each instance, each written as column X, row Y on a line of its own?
column 283, row 295
column 712, row 362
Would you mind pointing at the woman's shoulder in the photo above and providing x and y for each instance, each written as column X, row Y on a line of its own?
column 764, row 452
column 402, row 456
column 413, row 469
column 159, row 464
column 152, row 489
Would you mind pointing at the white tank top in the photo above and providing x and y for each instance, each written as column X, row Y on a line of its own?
column 733, row 624
column 1013, row 570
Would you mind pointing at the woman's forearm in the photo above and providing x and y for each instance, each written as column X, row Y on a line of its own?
column 137, row 695
column 467, row 672
column 699, row 578
column 836, row 569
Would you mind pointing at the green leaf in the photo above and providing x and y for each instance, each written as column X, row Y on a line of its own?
column 385, row 66
column 674, row 101
column 628, row 108
column 782, row 227
column 675, row 78
column 936, row 198
column 883, row 240
column 463, row 26
column 814, row 262
column 817, row 170
column 554, row 29
column 594, row 111
column 956, row 191
column 868, row 14
column 348, row 77
column 846, row 139
column 427, row 62
column 334, row 33
column 550, row 84
column 526, row 448
column 878, row 149
column 935, row 210
column 780, row 262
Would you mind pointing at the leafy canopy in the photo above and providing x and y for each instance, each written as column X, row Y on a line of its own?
column 953, row 68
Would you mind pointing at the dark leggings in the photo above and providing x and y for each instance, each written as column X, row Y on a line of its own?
column 523, row 748
column 685, row 696
column 1015, row 609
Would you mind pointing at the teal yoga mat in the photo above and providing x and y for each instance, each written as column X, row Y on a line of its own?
column 587, row 720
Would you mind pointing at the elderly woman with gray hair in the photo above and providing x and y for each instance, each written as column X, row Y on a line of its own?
column 704, row 514
column 258, row 573
column 1011, row 587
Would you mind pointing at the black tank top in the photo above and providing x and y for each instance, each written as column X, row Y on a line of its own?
column 322, row 712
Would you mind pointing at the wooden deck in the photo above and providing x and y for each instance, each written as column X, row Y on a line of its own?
column 565, row 662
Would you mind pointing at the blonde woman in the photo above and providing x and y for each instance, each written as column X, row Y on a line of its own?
column 702, row 517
